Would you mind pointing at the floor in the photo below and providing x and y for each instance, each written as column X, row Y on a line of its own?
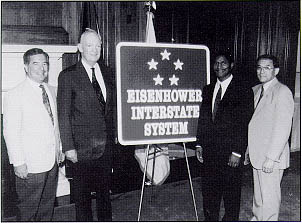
column 172, row 201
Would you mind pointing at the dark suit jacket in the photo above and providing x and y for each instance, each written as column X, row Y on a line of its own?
column 228, row 133
column 85, row 124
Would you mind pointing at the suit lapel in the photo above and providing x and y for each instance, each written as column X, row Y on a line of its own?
column 210, row 95
column 53, row 95
column 32, row 94
column 228, row 92
column 86, row 85
column 108, row 84
column 257, row 92
column 266, row 96
column 228, row 95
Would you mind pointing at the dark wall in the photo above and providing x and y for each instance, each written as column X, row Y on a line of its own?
column 246, row 28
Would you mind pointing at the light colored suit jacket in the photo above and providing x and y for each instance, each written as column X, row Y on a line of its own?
column 270, row 126
column 30, row 137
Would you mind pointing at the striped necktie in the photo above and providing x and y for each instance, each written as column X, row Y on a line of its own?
column 97, row 88
column 46, row 103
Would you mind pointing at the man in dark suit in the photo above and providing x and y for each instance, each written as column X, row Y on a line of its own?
column 85, row 109
column 225, row 112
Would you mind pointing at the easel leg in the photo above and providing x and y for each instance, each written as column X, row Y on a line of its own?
column 143, row 184
column 156, row 150
column 190, row 179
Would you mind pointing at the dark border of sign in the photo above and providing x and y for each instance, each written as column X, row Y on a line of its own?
column 118, row 87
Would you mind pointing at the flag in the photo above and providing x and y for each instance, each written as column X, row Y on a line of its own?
column 150, row 32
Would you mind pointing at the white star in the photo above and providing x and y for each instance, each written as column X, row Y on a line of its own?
column 178, row 64
column 165, row 55
column 158, row 80
column 152, row 64
column 173, row 80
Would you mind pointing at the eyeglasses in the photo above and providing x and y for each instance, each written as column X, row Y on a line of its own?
column 223, row 64
column 259, row 68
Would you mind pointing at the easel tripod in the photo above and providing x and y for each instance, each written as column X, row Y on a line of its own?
column 144, row 179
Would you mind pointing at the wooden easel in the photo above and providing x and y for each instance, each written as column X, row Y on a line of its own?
column 144, row 179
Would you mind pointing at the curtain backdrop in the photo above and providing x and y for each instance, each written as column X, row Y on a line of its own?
column 118, row 21
column 268, row 27
column 247, row 29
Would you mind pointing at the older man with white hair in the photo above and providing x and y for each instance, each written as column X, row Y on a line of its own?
column 85, row 110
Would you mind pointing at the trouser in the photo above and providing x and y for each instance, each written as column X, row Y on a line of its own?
column 221, row 182
column 92, row 176
column 267, row 195
column 36, row 195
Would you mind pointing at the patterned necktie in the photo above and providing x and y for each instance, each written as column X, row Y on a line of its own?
column 216, row 103
column 46, row 102
column 97, row 88
column 261, row 95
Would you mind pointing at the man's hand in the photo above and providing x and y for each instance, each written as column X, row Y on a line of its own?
column 268, row 165
column 233, row 161
column 72, row 155
column 61, row 157
column 246, row 159
column 199, row 153
column 21, row 171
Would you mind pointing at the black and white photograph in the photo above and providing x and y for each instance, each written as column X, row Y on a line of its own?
column 152, row 111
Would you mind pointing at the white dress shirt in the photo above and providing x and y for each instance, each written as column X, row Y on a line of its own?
column 38, row 90
column 98, row 75
column 224, row 85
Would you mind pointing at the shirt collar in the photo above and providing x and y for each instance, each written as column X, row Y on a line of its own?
column 34, row 83
column 267, row 84
column 224, row 84
column 87, row 66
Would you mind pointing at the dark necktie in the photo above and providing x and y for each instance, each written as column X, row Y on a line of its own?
column 97, row 88
column 216, row 103
column 261, row 95
column 46, row 102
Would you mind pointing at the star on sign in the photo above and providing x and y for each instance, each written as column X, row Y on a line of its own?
column 165, row 55
column 173, row 80
column 178, row 64
column 152, row 64
column 158, row 80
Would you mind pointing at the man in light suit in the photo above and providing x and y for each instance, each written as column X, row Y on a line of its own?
column 268, row 134
column 225, row 112
column 85, row 110
column 31, row 131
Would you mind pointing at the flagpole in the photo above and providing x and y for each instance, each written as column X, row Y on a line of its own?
column 150, row 38
column 150, row 32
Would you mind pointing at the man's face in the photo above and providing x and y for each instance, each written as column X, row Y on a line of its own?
column 266, row 70
column 222, row 68
column 90, row 48
column 37, row 68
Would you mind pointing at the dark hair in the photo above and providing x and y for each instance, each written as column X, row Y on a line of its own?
column 32, row 52
column 225, row 54
column 269, row 57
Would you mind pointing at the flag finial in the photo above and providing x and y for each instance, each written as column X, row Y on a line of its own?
column 150, row 5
